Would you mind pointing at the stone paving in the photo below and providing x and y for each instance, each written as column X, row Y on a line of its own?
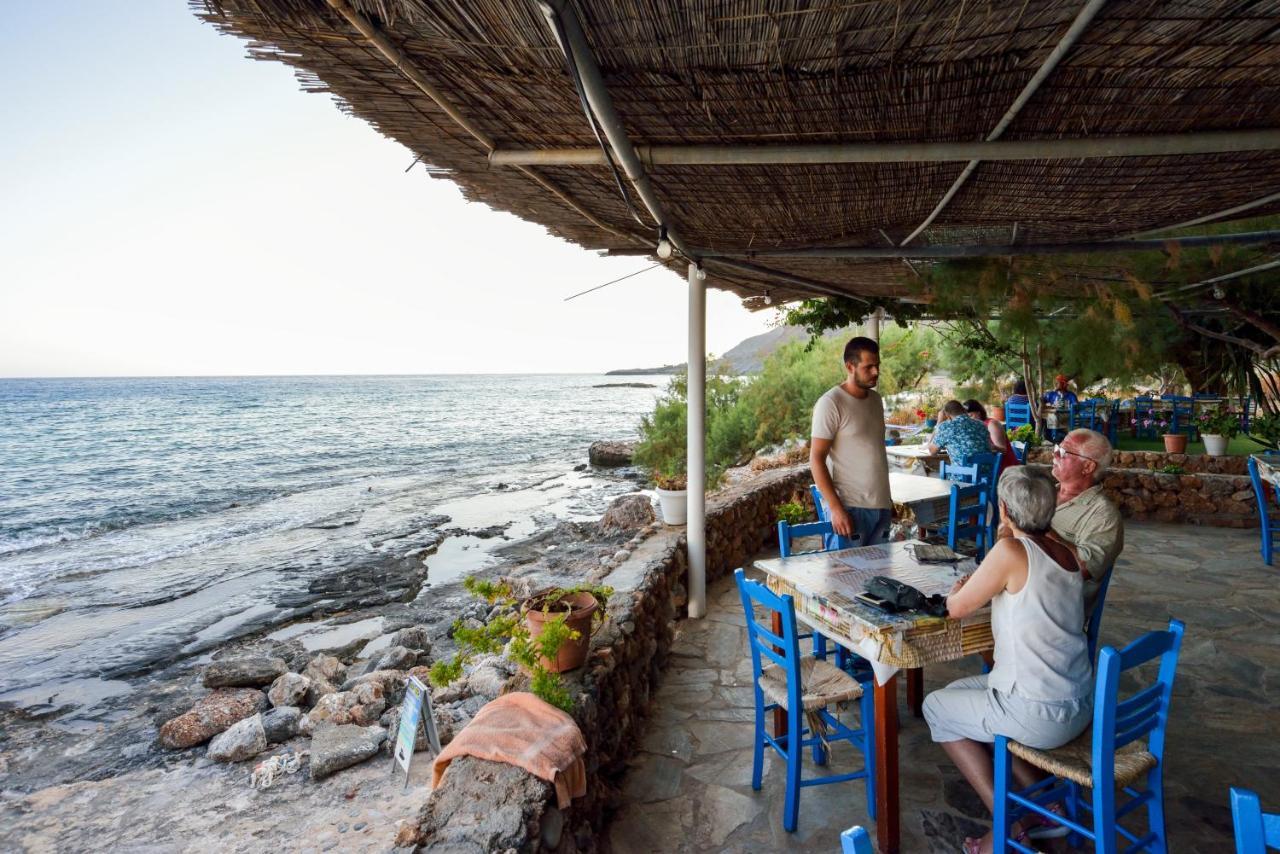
column 690, row 788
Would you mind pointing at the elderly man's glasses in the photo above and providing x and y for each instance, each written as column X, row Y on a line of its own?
column 1061, row 452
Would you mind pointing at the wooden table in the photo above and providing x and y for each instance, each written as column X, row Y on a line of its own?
column 823, row 585
column 910, row 457
column 929, row 498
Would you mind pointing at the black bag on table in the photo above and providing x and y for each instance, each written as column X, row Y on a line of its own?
column 900, row 596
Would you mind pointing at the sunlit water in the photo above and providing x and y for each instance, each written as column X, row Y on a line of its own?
column 145, row 518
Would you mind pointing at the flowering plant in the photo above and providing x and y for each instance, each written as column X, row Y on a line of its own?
column 1219, row 422
column 921, row 414
column 1159, row 423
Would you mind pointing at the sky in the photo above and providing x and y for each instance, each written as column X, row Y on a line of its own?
column 169, row 207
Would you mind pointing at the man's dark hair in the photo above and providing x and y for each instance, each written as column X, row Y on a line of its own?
column 972, row 406
column 854, row 349
column 955, row 409
column 1020, row 387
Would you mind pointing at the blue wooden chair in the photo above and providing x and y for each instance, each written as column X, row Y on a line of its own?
column 855, row 841
column 1144, row 410
column 1182, row 417
column 983, row 469
column 1105, row 757
column 1085, row 414
column 1256, row 831
column 787, row 533
column 803, row 688
column 819, row 505
column 1246, row 411
column 967, row 517
column 1017, row 414
column 1263, row 492
column 1019, row 450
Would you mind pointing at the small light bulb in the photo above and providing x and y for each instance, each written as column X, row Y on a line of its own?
column 702, row 275
column 664, row 249
column 1218, row 293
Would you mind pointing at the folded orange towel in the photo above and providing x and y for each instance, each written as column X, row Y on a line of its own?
column 522, row 730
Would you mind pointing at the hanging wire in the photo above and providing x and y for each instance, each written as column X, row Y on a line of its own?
column 614, row 282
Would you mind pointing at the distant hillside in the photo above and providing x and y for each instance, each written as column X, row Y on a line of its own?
column 747, row 357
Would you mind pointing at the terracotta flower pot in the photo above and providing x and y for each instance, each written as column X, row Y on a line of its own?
column 572, row 652
column 1175, row 443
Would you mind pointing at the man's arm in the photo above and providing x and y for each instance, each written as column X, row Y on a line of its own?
column 1098, row 537
column 818, row 451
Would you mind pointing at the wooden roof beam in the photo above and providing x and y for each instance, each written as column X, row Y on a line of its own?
column 943, row 251
column 1077, row 28
column 656, row 156
column 1256, row 203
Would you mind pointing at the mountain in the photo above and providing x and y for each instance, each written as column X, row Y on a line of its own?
column 746, row 357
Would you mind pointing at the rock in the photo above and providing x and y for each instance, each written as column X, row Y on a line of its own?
column 415, row 638
column 249, row 671
column 392, row 682
column 335, row 747
column 489, row 677
column 282, row 723
column 289, row 689
column 241, row 741
column 360, row 706
column 611, row 454
column 628, row 513
column 621, row 555
column 482, row 806
column 397, row 658
column 211, row 715
column 326, row 667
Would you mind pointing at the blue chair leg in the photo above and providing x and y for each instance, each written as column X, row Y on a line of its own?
column 757, row 756
column 1155, row 810
column 1001, row 820
column 795, row 756
column 1104, row 820
column 868, row 711
column 819, row 645
column 1266, row 543
column 1075, row 840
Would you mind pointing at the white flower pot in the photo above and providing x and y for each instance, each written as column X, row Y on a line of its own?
column 674, row 504
column 1214, row 446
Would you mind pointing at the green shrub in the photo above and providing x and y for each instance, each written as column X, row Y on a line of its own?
column 793, row 513
column 1265, row 430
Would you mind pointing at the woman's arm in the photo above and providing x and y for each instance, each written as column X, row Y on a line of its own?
column 998, row 438
column 991, row 577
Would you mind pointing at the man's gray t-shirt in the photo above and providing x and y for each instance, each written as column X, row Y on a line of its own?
column 857, row 461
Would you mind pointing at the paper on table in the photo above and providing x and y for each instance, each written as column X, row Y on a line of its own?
column 869, row 557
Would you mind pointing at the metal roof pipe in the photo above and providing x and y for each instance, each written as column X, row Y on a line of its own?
column 1161, row 145
column 979, row 251
column 602, row 106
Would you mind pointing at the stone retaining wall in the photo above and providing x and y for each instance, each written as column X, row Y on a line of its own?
column 498, row 807
column 1149, row 460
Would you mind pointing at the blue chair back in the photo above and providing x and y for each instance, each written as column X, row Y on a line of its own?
column 1084, row 414
column 967, row 516
column 979, row 468
column 782, row 650
column 1256, row 831
column 1017, row 414
column 1143, row 410
column 1119, row 722
column 1019, row 450
column 1093, row 626
column 855, row 841
column 819, row 505
column 1183, row 417
column 788, row 532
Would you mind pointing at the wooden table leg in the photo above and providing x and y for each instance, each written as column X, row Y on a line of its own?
column 779, row 716
column 915, row 691
column 888, row 832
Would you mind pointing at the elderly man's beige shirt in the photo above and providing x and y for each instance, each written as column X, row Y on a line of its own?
column 1091, row 523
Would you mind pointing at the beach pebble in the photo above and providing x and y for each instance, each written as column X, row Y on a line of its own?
column 335, row 747
column 281, row 723
column 243, row 740
column 415, row 637
column 606, row 560
column 289, row 689
column 211, row 715
column 621, row 555
column 250, row 671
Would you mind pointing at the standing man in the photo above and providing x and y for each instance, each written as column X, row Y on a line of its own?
column 846, row 449
column 1061, row 394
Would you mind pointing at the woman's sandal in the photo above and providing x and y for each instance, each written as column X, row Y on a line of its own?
column 1043, row 828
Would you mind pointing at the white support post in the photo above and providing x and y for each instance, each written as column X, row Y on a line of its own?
column 696, row 531
column 873, row 325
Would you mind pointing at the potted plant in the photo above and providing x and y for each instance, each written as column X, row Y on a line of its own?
column 1174, row 443
column 1217, row 428
column 673, row 494
column 546, row 635
column 1023, row 439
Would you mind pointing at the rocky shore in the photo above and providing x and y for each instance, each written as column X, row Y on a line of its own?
column 311, row 709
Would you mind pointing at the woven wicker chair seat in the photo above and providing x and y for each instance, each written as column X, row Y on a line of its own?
column 1074, row 760
column 824, row 684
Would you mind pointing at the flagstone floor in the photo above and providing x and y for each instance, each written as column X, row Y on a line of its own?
column 690, row 787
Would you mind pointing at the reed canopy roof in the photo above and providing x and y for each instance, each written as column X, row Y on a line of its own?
column 723, row 75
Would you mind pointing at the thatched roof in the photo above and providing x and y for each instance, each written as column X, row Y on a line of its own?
column 756, row 72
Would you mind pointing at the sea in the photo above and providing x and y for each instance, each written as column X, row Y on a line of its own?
column 143, row 519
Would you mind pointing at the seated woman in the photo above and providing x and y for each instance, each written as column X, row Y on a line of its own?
column 958, row 434
column 995, row 429
column 1040, row 691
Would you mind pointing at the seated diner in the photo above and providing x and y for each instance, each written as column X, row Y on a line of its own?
column 958, row 434
column 995, row 432
column 1040, row 690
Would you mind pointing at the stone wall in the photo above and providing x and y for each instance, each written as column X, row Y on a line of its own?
column 1213, row 491
column 495, row 807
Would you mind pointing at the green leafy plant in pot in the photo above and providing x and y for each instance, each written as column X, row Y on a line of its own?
column 546, row 635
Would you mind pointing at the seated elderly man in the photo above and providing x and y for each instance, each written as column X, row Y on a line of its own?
column 1086, row 519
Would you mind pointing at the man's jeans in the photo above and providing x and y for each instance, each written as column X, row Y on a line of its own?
column 871, row 524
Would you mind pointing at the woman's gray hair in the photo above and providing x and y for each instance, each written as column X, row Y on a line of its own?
column 1030, row 496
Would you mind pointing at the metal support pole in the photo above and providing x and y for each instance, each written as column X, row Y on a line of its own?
column 696, row 531
column 873, row 325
